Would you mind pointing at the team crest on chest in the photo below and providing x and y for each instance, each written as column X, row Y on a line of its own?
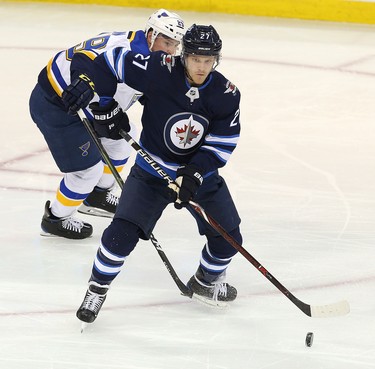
column 184, row 132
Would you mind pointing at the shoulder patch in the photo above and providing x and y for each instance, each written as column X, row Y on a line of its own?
column 169, row 61
column 230, row 88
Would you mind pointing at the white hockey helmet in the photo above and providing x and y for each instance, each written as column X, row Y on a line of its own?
column 166, row 23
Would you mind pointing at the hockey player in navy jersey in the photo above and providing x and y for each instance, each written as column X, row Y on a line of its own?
column 190, row 128
column 64, row 86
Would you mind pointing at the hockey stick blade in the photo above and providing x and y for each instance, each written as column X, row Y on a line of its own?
column 323, row 311
column 327, row 311
column 319, row 311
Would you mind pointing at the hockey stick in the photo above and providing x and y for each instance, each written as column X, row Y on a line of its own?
column 181, row 286
column 317, row 311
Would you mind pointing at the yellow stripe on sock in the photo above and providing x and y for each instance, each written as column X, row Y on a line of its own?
column 67, row 202
column 108, row 171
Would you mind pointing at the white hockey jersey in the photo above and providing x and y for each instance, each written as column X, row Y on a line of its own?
column 58, row 69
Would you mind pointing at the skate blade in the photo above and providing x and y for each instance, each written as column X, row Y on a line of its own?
column 83, row 326
column 51, row 235
column 89, row 210
column 211, row 303
column 47, row 234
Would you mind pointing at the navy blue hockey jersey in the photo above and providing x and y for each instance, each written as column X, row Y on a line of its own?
column 181, row 124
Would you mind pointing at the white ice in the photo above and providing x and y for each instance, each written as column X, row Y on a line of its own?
column 302, row 177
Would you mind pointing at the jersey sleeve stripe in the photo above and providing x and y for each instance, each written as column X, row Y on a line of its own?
column 89, row 53
column 131, row 36
column 221, row 154
column 54, row 76
column 109, row 57
column 120, row 65
column 222, row 140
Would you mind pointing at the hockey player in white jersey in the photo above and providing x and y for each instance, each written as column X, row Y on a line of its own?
column 87, row 181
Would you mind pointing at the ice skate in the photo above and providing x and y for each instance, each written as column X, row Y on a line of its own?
column 216, row 293
column 68, row 227
column 92, row 303
column 100, row 203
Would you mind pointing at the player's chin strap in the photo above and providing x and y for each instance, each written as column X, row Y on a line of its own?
column 321, row 311
column 182, row 287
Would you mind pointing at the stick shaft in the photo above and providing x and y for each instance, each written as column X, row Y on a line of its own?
column 335, row 309
column 101, row 148
column 182, row 287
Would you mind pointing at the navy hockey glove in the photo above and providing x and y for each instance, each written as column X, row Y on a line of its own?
column 78, row 94
column 189, row 178
column 109, row 119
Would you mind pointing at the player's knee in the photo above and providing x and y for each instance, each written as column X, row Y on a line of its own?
column 220, row 247
column 89, row 177
column 236, row 234
column 120, row 237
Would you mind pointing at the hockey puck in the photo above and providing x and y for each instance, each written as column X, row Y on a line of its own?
column 309, row 339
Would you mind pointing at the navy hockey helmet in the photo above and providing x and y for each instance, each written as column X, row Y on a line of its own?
column 201, row 40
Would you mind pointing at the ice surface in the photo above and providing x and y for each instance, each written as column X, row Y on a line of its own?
column 303, row 178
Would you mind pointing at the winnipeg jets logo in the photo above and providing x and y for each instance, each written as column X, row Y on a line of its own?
column 230, row 88
column 185, row 132
column 169, row 61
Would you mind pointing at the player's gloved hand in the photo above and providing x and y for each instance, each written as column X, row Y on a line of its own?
column 189, row 178
column 78, row 94
column 109, row 120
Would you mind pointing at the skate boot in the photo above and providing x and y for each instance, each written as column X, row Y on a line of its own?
column 214, row 293
column 92, row 303
column 100, row 202
column 68, row 227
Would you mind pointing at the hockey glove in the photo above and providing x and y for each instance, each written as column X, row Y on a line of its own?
column 78, row 94
column 189, row 178
column 109, row 120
